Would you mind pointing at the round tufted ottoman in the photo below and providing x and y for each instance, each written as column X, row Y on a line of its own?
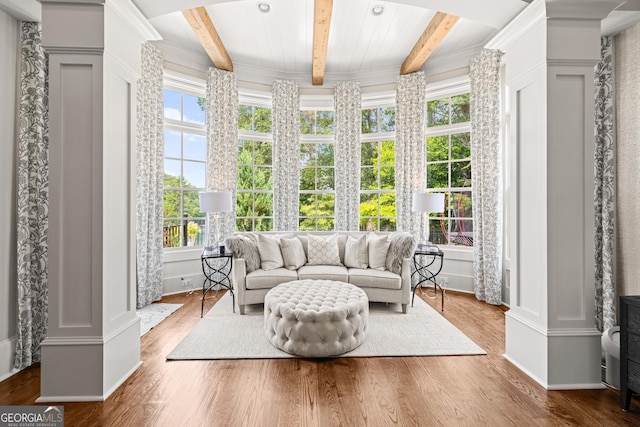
column 316, row 318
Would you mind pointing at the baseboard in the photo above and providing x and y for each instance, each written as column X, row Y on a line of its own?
column 7, row 358
column 526, row 371
column 124, row 378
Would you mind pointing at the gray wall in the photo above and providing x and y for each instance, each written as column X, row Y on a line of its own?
column 8, row 59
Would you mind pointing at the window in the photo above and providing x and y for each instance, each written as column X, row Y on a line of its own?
column 317, row 185
column 184, row 168
column 449, row 169
column 254, row 205
column 377, row 170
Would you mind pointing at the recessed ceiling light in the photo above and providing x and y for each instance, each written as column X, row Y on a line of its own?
column 377, row 10
column 264, row 7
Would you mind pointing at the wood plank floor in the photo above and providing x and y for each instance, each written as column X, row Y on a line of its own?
column 423, row 391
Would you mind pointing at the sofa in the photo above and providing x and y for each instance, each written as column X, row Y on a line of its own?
column 377, row 262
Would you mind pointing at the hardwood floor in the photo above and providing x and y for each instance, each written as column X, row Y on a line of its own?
column 425, row 391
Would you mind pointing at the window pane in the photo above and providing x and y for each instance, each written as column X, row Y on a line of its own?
column 368, row 179
column 388, row 119
column 172, row 143
column 438, row 112
column 194, row 174
column 437, row 175
column 370, row 121
column 194, row 147
column 245, row 117
column 172, row 173
column 388, row 204
column 262, row 178
column 244, row 204
column 307, row 155
column 245, row 178
column 369, row 153
column 325, row 224
column 244, row 224
column 324, row 122
column 307, row 205
column 263, row 224
column 461, row 146
column 171, row 234
column 387, row 224
column 461, row 206
column 326, row 203
column 307, row 122
column 388, row 154
column 263, row 204
column 193, row 109
column 262, row 153
column 262, row 119
column 368, row 224
column 308, row 179
column 324, row 154
column 191, row 204
column 325, row 179
column 196, row 232
column 387, row 178
column 368, row 205
column 461, row 174
column 438, row 231
column 172, row 105
column 171, row 204
column 460, row 108
column 461, row 233
column 437, row 148
column 245, row 152
column 307, row 224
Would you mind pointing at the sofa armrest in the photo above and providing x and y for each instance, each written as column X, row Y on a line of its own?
column 239, row 276
column 405, row 275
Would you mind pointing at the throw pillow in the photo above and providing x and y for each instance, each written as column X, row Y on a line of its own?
column 292, row 253
column 378, row 247
column 401, row 245
column 270, row 255
column 245, row 247
column 356, row 254
column 323, row 251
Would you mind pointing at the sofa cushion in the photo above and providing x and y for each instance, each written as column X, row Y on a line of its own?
column 368, row 278
column 324, row 272
column 401, row 245
column 245, row 247
column 378, row 248
column 270, row 255
column 267, row 279
column 356, row 253
column 323, row 251
column 292, row 253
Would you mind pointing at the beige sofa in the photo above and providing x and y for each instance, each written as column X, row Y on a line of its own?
column 380, row 285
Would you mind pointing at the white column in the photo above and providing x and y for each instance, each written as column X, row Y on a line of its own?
column 550, row 53
column 93, row 343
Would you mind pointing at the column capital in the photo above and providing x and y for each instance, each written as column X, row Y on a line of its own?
column 581, row 9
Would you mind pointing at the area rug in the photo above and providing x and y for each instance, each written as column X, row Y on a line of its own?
column 222, row 334
column 153, row 314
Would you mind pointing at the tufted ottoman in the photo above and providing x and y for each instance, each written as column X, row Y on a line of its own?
column 316, row 318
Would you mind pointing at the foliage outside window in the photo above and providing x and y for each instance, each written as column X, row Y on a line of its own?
column 377, row 170
column 317, row 182
column 254, row 205
column 184, row 169
column 449, row 169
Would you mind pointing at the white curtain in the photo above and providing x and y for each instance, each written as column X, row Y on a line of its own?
column 347, row 120
column 32, row 197
column 286, row 155
column 486, row 175
column 150, row 177
column 222, row 142
column 410, row 148
column 605, row 190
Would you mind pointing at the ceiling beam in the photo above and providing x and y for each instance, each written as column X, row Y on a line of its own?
column 435, row 32
column 321, row 23
column 201, row 24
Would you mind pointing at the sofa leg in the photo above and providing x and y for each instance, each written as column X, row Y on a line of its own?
column 404, row 308
column 241, row 307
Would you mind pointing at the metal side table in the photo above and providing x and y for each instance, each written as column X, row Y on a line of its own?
column 217, row 273
column 427, row 263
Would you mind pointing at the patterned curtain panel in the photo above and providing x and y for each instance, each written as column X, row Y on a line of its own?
column 605, row 191
column 348, row 118
column 410, row 148
column 487, row 175
column 33, row 197
column 286, row 155
column 222, row 143
column 150, row 177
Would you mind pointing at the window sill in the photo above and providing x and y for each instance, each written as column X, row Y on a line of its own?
column 457, row 253
column 182, row 254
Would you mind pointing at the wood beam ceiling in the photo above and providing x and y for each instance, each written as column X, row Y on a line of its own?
column 201, row 24
column 321, row 23
column 435, row 32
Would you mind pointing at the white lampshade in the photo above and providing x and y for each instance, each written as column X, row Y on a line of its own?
column 215, row 201
column 428, row 202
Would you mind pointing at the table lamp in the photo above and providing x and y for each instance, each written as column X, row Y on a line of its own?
column 425, row 203
column 215, row 202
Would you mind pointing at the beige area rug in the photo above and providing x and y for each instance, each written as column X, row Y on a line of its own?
column 153, row 314
column 222, row 334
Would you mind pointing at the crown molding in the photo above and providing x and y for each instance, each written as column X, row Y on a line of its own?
column 131, row 15
column 23, row 10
